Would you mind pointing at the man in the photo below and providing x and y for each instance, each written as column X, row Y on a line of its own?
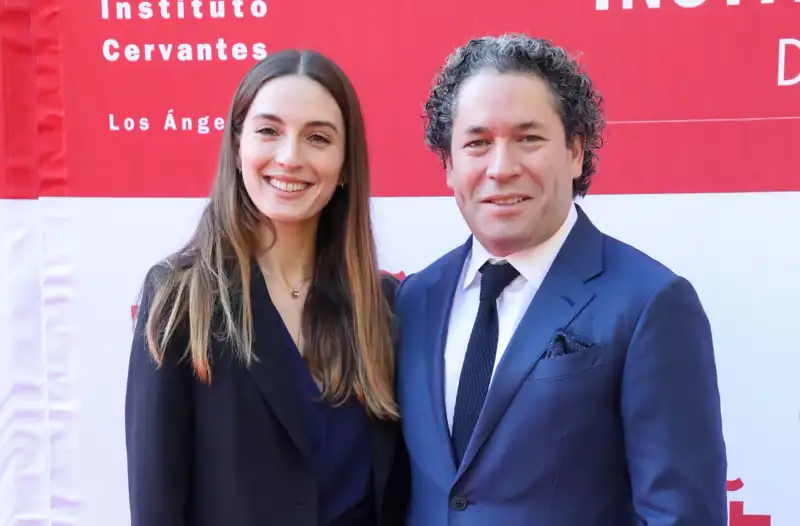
column 548, row 374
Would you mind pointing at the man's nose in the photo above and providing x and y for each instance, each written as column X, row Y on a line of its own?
column 504, row 163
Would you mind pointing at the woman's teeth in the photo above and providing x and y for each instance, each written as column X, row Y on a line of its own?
column 287, row 187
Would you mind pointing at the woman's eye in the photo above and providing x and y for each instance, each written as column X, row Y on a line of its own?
column 318, row 137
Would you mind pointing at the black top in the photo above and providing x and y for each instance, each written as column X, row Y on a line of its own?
column 340, row 443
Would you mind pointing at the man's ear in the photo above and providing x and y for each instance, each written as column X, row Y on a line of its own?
column 448, row 166
column 576, row 155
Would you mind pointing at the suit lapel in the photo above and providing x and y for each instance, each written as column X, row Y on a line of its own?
column 564, row 293
column 438, row 303
column 271, row 370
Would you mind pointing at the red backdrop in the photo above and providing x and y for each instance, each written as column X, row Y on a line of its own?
column 706, row 78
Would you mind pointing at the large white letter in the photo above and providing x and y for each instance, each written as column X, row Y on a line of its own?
column 782, row 80
column 737, row 2
column 111, row 50
column 603, row 5
column 653, row 4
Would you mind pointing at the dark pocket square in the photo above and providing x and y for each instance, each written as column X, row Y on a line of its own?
column 564, row 342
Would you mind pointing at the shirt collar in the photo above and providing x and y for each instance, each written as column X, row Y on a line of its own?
column 532, row 263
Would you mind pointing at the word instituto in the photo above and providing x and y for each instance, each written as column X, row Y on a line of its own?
column 182, row 9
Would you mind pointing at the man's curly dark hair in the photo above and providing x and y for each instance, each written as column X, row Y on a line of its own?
column 576, row 100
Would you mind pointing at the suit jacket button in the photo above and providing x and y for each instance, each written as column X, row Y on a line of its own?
column 458, row 503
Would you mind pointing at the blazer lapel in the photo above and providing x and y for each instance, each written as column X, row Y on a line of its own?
column 271, row 370
column 564, row 293
column 438, row 303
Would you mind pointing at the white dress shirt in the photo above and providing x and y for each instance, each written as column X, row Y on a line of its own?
column 532, row 264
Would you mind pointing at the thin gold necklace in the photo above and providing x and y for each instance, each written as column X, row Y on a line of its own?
column 295, row 292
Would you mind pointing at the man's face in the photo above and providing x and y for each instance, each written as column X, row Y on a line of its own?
column 511, row 169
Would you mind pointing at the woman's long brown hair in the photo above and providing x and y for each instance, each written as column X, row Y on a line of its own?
column 206, row 288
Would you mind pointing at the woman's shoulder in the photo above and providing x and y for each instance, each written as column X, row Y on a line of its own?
column 389, row 281
column 159, row 276
column 389, row 284
column 165, row 268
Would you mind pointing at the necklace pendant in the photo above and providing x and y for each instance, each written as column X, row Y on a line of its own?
column 295, row 293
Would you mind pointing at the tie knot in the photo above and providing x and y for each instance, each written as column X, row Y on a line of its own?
column 495, row 278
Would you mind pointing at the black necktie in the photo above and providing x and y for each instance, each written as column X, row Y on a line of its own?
column 476, row 374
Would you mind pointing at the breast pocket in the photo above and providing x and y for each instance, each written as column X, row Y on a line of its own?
column 570, row 364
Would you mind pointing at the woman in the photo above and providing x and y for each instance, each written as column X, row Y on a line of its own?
column 260, row 387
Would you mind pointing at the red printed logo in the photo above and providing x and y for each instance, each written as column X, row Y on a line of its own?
column 736, row 514
column 399, row 275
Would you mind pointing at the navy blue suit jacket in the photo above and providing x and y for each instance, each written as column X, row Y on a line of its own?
column 623, row 430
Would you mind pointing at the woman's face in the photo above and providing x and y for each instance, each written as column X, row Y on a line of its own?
column 292, row 149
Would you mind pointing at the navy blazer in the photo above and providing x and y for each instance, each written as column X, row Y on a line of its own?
column 604, row 409
column 235, row 453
